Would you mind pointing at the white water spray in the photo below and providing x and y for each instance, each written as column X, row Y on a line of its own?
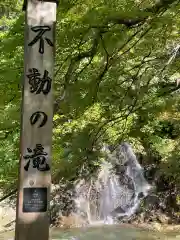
column 116, row 192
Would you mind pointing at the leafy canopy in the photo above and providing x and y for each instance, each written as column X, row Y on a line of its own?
column 116, row 68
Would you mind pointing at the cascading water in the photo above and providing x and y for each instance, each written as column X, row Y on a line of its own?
column 116, row 192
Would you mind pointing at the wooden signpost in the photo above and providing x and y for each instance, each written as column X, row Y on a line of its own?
column 32, row 217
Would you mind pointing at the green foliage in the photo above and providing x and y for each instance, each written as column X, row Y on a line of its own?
column 115, row 79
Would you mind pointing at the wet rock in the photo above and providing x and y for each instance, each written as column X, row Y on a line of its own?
column 117, row 211
column 162, row 218
column 140, row 195
column 151, row 201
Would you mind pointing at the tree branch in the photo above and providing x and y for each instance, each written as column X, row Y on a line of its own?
column 155, row 9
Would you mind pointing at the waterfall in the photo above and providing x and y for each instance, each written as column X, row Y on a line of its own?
column 117, row 190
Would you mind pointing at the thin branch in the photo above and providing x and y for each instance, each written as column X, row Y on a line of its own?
column 79, row 57
column 101, row 75
column 61, row 65
column 115, row 120
column 155, row 9
column 134, row 44
column 84, row 68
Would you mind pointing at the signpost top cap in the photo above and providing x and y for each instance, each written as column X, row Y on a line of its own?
column 26, row 1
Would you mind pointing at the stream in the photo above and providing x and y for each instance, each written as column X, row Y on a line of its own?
column 112, row 233
column 103, row 233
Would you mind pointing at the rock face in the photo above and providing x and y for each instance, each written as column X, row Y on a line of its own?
column 155, row 209
column 62, row 201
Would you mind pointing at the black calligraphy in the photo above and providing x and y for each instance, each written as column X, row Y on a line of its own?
column 37, row 157
column 39, row 115
column 39, row 84
column 40, row 30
